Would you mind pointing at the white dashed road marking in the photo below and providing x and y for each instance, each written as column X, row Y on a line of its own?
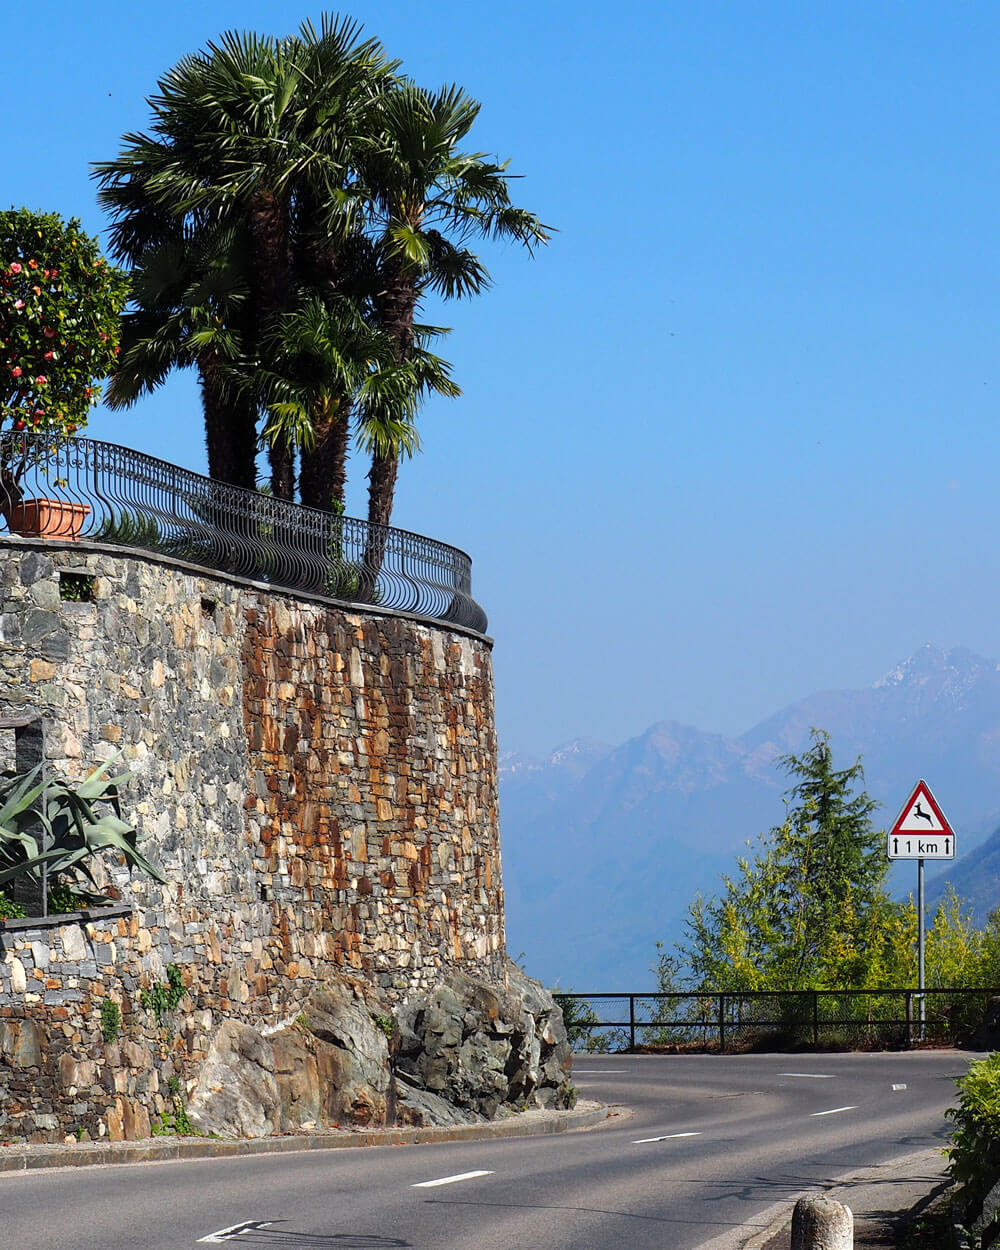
column 449, row 1180
column 899, row 1087
column 835, row 1110
column 811, row 1076
column 666, row 1137
column 234, row 1231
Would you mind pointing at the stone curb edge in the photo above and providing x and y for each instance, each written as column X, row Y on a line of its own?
column 760, row 1239
column 178, row 1149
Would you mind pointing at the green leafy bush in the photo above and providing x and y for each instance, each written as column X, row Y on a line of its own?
column 59, row 312
column 9, row 910
column 111, row 1020
column 161, row 999
column 975, row 1152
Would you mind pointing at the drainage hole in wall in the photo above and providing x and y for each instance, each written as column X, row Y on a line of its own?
column 208, row 607
column 76, row 587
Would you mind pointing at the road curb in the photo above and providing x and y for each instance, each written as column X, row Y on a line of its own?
column 92, row 1154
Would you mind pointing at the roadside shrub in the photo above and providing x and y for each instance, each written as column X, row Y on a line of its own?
column 974, row 1156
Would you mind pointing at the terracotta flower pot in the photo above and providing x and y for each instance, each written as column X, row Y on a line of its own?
column 47, row 518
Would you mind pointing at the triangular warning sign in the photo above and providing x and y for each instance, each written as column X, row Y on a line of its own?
column 921, row 814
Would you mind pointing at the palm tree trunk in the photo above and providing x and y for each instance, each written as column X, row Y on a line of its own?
column 272, row 282
column 323, row 475
column 395, row 314
column 382, row 487
column 230, row 430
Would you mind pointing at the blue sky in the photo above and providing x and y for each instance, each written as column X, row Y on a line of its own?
column 732, row 437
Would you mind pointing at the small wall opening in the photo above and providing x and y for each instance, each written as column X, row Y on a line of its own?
column 23, row 742
column 76, row 587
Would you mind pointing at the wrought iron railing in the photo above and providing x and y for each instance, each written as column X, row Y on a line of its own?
column 772, row 1019
column 76, row 488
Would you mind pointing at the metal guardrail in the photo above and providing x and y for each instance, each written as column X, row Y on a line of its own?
column 79, row 488
column 737, row 1021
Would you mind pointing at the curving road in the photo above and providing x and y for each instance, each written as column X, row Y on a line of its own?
column 706, row 1146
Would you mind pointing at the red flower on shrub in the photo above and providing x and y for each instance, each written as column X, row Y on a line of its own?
column 64, row 282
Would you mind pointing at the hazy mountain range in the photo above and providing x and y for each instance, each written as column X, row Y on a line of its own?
column 605, row 846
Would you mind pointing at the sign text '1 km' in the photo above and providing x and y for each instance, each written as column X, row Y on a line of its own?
column 921, row 832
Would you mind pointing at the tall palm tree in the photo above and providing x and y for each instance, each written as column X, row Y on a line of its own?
column 324, row 367
column 428, row 201
column 247, row 132
column 189, row 309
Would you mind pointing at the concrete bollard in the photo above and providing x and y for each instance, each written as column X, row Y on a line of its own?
column 822, row 1224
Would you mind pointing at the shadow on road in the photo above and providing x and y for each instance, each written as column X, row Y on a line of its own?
column 267, row 1233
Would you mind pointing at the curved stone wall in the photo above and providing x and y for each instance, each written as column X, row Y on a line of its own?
column 317, row 784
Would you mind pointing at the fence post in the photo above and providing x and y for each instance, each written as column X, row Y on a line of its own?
column 909, row 1017
column 631, row 1021
column 815, row 1018
column 722, row 1024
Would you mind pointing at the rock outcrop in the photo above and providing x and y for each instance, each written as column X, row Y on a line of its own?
column 332, row 1066
column 236, row 1094
column 487, row 1050
column 464, row 1051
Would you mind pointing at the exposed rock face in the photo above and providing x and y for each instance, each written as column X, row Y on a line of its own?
column 236, row 1094
column 332, row 1067
column 465, row 1051
column 484, row 1048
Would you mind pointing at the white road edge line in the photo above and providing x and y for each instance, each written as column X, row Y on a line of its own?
column 666, row 1137
column 835, row 1110
column 449, row 1180
column 227, row 1234
column 812, row 1076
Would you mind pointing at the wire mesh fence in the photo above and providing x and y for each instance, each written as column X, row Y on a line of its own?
column 763, row 1020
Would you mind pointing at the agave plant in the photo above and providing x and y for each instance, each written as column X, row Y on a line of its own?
column 45, row 823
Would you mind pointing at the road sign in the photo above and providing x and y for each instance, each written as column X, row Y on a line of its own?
column 921, row 830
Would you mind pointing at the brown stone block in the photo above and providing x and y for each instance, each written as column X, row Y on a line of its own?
column 41, row 670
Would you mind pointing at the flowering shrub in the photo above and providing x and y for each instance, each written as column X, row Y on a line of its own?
column 59, row 315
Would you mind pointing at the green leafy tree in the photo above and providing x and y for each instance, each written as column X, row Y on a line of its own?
column 809, row 910
column 59, row 321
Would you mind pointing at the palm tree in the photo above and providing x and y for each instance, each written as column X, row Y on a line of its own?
column 246, row 133
column 188, row 309
column 326, row 366
column 428, row 201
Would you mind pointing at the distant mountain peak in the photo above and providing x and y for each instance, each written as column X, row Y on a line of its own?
column 931, row 662
column 586, row 749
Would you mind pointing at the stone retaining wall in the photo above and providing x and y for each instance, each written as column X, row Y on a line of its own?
column 318, row 786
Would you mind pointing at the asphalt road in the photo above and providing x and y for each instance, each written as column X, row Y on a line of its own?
column 708, row 1145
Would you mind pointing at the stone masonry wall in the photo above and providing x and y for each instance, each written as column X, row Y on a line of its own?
column 318, row 786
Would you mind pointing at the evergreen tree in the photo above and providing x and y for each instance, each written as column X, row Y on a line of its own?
column 810, row 910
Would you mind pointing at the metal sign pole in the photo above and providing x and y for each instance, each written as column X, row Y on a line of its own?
column 921, row 832
column 920, row 948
